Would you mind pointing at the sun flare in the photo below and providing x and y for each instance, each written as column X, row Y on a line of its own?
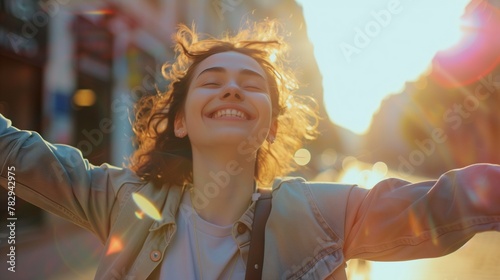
column 368, row 50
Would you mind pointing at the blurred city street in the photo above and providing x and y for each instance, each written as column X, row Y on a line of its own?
column 397, row 95
column 58, row 250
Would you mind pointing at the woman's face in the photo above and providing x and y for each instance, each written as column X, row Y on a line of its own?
column 228, row 103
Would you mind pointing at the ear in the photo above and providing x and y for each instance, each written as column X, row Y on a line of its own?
column 273, row 130
column 180, row 128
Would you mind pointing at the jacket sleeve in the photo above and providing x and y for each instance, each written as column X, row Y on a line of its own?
column 397, row 220
column 58, row 179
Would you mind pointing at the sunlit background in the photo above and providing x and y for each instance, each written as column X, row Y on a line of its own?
column 369, row 49
column 405, row 89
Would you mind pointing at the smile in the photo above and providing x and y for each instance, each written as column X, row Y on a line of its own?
column 229, row 113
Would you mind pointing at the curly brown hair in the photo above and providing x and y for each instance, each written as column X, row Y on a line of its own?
column 164, row 158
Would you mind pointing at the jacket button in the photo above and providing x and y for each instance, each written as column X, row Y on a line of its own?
column 155, row 255
column 241, row 228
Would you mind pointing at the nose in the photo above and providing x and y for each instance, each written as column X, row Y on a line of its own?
column 231, row 93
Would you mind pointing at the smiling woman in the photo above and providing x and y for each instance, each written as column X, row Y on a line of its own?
column 210, row 67
column 188, row 206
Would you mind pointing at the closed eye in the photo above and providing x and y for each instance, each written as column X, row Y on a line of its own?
column 211, row 84
column 253, row 87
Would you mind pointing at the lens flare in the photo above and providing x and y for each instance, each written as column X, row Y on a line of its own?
column 414, row 222
column 146, row 206
column 115, row 246
column 477, row 191
column 139, row 215
column 476, row 54
column 99, row 12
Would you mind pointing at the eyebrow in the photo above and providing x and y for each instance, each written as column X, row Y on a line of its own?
column 244, row 71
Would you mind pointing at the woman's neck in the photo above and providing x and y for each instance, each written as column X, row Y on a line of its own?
column 223, row 184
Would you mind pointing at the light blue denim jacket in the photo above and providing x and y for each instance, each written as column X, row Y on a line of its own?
column 313, row 228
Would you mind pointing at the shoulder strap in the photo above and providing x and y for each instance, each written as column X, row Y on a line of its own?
column 256, row 251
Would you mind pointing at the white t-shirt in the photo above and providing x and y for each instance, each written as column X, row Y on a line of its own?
column 214, row 256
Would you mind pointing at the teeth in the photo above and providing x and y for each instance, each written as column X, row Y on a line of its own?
column 229, row 113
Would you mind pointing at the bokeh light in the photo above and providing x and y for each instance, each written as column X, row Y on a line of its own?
column 362, row 174
column 84, row 98
column 302, row 157
column 328, row 157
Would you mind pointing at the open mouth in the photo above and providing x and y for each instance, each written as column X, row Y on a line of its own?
column 229, row 113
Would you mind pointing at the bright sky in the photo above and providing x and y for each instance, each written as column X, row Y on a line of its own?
column 369, row 49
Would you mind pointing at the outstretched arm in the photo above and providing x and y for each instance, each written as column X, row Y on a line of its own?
column 397, row 220
column 58, row 179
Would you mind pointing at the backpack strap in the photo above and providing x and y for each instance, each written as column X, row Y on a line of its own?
column 256, row 251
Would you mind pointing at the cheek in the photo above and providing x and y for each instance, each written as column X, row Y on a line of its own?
column 193, row 108
column 265, row 105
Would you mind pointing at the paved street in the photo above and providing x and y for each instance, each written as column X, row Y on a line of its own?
column 58, row 251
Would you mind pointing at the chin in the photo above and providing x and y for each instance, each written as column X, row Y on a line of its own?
column 232, row 138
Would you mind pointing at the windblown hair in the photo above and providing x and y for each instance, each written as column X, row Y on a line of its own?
column 164, row 158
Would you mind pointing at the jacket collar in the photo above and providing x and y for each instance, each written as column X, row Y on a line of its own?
column 165, row 199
